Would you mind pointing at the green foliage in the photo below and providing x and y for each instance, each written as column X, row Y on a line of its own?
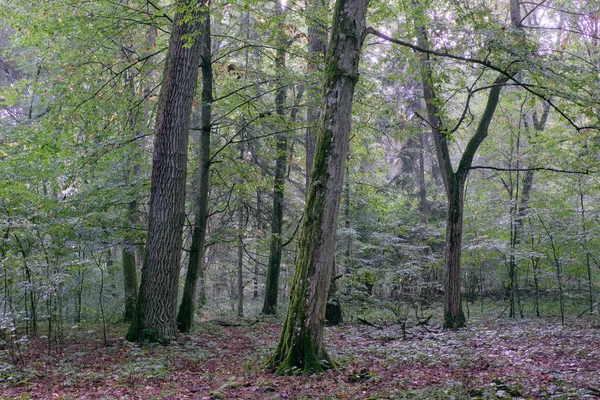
column 78, row 91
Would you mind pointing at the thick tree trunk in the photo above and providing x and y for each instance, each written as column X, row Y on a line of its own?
column 157, row 299
column 301, row 347
column 454, row 181
column 454, row 316
column 195, row 269
column 274, row 265
column 317, row 39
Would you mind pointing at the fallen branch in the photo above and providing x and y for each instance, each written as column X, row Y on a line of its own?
column 364, row 321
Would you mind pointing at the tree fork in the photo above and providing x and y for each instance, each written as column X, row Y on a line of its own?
column 185, row 315
column 155, row 314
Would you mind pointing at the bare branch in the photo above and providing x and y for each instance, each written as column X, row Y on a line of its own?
column 563, row 171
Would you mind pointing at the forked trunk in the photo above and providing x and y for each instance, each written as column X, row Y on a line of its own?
column 157, row 299
column 195, row 270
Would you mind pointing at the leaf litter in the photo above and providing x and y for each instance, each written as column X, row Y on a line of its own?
column 490, row 359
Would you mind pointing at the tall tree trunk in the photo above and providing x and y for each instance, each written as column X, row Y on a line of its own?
column 454, row 182
column 454, row 316
column 316, row 13
column 584, row 245
column 301, row 346
column 259, row 228
column 422, row 185
column 157, row 299
column 195, row 269
column 240, row 261
column 317, row 39
column 274, row 265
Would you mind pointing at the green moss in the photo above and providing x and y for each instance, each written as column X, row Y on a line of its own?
column 303, row 360
column 451, row 322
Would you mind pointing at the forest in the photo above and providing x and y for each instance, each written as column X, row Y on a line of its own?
column 346, row 199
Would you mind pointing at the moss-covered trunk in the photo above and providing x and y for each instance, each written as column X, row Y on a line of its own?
column 316, row 13
column 195, row 270
column 301, row 346
column 157, row 298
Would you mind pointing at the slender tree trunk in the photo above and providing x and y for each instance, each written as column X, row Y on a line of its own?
column 333, row 312
column 259, row 228
column 155, row 315
column 556, row 257
column 454, row 183
column 347, row 220
column 29, row 291
column 536, row 273
column 129, row 271
column 195, row 269
column 301, row 346
column 422, row 185
column 240, row 262
column 587, row 252
column 274, row 265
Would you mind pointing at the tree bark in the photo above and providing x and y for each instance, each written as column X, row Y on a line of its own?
column 185, row 316
column 129, row 271
column 157, row 299
column 274, row 265
column 334, row 314
column 317, row 38
column 454, row 182
column 240, row 261
column 454, row 316
column 301, row 346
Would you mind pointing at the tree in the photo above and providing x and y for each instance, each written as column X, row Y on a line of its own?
column 317, row 40
column 454, row 181
column 272, row 283
column 157, row 299
column 195, row 267
column 301, row 346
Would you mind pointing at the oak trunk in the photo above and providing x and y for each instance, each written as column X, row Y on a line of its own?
column 157, row 299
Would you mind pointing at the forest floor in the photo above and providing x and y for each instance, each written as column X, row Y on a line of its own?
column 489, row 360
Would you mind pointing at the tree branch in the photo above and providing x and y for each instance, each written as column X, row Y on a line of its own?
column 563, row 171
column 484, row 63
